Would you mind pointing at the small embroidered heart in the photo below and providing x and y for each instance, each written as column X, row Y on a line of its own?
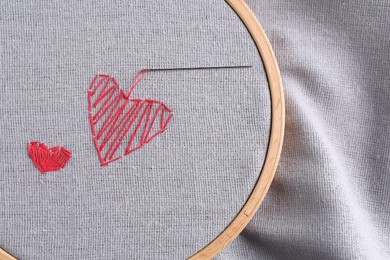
column 121, row 124
column 48, row 159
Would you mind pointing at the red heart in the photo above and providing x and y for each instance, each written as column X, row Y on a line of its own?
column 46, row 159
column 120, row 124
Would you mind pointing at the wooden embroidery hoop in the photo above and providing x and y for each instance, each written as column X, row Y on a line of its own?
column 275, row 141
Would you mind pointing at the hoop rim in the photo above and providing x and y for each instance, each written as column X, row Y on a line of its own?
column 275, row 141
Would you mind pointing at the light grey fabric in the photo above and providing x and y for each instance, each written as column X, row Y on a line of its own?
column 165, row 201
column 330, row 198
column 331, row 194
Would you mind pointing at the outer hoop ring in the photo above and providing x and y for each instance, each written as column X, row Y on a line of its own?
column 275, row 142
column 6, row 256
column 276, row 138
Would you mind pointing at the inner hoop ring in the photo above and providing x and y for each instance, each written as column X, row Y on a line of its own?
column 275, row 141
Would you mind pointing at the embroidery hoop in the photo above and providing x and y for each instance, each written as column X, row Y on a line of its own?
column 275, row 140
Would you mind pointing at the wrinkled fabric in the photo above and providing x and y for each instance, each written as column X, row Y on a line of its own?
column 330, row 197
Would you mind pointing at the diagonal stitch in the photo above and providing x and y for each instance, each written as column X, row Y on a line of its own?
column 48, row 159
column 121, row 124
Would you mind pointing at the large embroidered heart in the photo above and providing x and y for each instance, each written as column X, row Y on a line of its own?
column 121, row 124
column 48, row 159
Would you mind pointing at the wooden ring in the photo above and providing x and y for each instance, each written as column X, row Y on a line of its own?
column 276, row 138
column 275, row 141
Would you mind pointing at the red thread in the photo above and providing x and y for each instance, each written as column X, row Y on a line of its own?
column 47, row 160
column 116, row 118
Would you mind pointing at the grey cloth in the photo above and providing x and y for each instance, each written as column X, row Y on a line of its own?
column 330, row 197
column 331, row 194
column 170, row 198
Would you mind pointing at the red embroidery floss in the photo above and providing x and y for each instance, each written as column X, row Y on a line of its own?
column 48, row 159
column 122, row 124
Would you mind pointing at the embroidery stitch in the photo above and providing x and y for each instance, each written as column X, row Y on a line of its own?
column 116, row 118
column 48, row 159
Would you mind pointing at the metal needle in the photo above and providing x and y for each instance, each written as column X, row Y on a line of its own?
column 200, row 68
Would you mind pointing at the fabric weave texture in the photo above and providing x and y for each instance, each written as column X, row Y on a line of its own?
column 166, row 200
column 330, row 197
